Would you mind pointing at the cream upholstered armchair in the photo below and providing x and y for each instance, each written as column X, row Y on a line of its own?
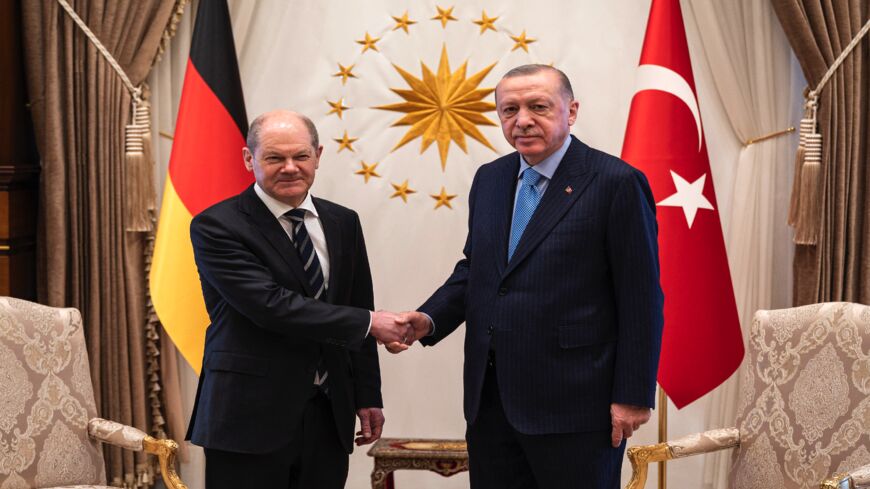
column 803, row 418
column 48, row 424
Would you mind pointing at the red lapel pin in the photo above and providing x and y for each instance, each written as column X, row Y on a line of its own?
column 568, row 190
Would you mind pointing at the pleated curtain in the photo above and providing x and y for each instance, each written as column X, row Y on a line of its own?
column 86, row 256
column 837, row 268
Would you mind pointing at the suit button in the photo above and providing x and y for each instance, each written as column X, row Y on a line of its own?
column 502, row 291
column 489, row 330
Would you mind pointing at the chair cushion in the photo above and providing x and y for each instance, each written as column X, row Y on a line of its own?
column 46, row 399
column 804, row 409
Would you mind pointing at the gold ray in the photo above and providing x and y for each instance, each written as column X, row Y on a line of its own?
column 442, row 106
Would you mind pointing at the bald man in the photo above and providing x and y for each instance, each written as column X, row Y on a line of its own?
column 290, row 355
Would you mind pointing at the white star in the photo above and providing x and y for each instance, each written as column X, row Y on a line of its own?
column 689, row 196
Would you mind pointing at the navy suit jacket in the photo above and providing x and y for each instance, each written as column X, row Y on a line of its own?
column 575, row 317
column 267, row 334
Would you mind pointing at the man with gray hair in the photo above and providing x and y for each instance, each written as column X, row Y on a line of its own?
column 559, row 291
column 290, row 355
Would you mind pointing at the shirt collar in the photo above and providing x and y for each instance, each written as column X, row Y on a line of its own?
column 278, row 208
column 547, row 167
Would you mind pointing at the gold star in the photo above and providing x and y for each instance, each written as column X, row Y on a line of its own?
column 402, row 191
column 337, row 107
column 367, row 171
column 444, row 15
column 369, row 42
column 486, row 23
column 345, row 142
column 443, row 107
column 522, row 41
column 345, row 72
column 443, row 199
column 403, row 22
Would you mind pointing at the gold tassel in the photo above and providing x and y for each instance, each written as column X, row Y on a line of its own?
column 139, row 175
column 794, row 203
column 804, row 208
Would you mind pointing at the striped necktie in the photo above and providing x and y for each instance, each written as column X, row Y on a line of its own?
column 303, row 244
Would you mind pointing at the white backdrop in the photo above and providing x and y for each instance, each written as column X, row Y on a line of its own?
column 288, row 52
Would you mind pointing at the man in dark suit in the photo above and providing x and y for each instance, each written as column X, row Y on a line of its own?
column 559, row 290
column 290, row 355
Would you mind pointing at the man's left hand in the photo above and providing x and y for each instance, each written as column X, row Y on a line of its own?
column 625, row 419
column 371, row 422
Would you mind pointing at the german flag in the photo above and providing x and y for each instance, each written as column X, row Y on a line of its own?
column 205, row 167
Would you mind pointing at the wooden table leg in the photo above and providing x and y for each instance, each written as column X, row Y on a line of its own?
column 382, row 478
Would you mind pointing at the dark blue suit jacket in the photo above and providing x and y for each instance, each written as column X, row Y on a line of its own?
column 267, row 334
column 575, row 318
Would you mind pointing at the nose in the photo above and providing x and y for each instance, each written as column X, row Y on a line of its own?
column 289, row 166
column 524, row 119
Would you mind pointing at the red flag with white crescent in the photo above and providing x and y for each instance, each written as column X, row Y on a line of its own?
column 702, row 343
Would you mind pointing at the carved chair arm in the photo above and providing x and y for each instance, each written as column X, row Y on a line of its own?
column 134, row 439
column 708, row 441
column 856, row 479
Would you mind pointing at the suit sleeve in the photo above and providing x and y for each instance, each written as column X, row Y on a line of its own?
column 446, row 306
column 633, row 254
column 243, row 280
column 367, row 371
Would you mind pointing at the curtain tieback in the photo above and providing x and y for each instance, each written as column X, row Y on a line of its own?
column 805, row 206
column 139, row 184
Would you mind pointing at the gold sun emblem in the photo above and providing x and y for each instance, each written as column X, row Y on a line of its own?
column 443, row 107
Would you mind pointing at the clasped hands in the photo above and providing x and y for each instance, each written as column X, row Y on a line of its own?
column 398, row 331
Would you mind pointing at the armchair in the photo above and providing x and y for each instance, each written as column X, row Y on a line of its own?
column 48, row 424
column 804, row 406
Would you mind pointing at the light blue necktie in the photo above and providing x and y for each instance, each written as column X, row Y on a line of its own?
column 527, row 202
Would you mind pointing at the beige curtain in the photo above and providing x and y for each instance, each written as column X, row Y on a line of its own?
column 837, row 268
column 87, row 259
column 751, row 62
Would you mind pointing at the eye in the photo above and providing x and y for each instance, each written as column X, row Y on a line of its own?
column 539, row 107
column 508, row 110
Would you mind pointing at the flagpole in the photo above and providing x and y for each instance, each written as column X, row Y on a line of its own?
column 663, row 436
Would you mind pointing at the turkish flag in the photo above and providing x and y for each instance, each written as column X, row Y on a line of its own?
column 702, row 344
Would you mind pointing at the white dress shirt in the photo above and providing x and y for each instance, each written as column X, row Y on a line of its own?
column 312, row 224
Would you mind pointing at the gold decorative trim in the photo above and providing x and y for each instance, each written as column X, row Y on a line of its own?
column 771, row 135
column 640, row 458
column 165, row 451
column 838, row 481
column 166, row 135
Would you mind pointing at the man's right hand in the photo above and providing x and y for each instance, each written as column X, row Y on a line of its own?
column 420, row 326
column 386, row 328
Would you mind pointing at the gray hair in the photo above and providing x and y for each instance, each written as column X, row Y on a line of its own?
column 532, row 69
column 253, row 139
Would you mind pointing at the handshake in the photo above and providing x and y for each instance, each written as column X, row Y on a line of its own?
column 398, row 331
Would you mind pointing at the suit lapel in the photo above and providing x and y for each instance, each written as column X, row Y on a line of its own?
column 271, row 229
column 332, row 232
column 505, row 188
column 572, row 174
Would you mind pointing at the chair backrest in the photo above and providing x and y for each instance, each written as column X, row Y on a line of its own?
column 804, row 408
column 46, row 399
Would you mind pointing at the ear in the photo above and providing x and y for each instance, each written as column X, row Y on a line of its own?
column 573, row 109
column 249, row 158
column 317, row 154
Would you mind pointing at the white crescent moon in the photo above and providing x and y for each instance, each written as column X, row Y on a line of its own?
column 656, row 77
